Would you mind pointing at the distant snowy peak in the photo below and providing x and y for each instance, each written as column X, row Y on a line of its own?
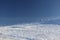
column 51, row 20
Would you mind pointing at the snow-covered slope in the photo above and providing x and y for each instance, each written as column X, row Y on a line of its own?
column 30, row 32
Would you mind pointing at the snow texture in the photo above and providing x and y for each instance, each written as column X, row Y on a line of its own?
column 30, row 32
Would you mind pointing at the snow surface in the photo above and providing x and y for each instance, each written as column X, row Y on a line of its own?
column 30, row 32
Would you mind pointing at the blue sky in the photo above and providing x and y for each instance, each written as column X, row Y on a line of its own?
column 18, row 11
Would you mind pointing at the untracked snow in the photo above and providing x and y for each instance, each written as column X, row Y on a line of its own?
column 30, row 32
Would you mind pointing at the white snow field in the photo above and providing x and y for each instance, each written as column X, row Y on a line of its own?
column 30, row 32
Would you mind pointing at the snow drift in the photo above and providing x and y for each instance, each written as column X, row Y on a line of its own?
column 30, row 32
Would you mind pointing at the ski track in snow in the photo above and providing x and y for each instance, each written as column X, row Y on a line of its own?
column 30, row 32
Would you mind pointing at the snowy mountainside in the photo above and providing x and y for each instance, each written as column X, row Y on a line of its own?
column 30, row 32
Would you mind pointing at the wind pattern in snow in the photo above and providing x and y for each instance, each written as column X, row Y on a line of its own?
column 30, row 32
